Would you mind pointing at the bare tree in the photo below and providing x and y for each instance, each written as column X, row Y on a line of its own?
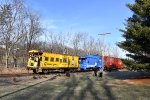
column 51, row 41
column 11, row 15
column 77, row 42
column 32, row 29
column 108, row 50
column 17, row 24
column 56, row 42
column 91, row 45
column 115, row 52
column 85, row 43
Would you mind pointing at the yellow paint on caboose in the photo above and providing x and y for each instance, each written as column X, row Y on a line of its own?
column 73, row 61
column 52, row 61
column 33, row 60
column 31, row 64
column 33, row 51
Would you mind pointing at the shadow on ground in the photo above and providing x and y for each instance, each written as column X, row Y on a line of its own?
column 90, row 88
column 127, row 74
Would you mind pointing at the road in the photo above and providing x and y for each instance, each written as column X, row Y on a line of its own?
column 80, row 86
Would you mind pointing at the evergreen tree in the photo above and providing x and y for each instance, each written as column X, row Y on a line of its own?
column 137, row 32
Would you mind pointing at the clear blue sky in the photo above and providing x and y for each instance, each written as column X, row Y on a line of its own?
column 91, row 16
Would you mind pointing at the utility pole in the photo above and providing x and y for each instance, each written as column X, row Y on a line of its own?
column 103, row 36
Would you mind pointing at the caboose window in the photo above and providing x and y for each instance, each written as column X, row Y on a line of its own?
column 46, row 58
column 40, row 58
column 64, row 60
column 57, row 59
column 52, row 59
column 60, row 60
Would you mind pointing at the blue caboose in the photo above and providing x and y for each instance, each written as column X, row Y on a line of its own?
column 90, row 62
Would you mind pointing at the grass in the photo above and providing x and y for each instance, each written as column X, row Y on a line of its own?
column 86, row 87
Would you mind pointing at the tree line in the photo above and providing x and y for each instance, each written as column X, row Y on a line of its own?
column 21, row 30
column 19, row 25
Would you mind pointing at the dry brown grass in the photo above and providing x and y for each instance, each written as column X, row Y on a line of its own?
column 12, row 70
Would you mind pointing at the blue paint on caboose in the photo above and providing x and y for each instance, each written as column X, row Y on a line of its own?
column 90, row 62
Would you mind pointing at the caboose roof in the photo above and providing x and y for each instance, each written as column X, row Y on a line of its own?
column 33, row 51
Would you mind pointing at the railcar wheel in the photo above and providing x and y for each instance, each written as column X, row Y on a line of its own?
column 45, row 71
column 95, row 71
column 100, row 74
column 68, row 73
column 34, row 71
column 109, row 69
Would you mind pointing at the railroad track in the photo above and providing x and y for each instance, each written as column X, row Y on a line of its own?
column 31, row 74
column 16, row 75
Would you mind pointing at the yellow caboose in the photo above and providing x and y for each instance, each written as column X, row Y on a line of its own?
column 44, row 62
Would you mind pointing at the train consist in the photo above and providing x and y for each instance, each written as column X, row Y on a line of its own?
column 46, row 62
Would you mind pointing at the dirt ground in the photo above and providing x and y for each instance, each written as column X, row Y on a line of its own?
column 145, row 80
column 131, row 77
column 13, row 70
